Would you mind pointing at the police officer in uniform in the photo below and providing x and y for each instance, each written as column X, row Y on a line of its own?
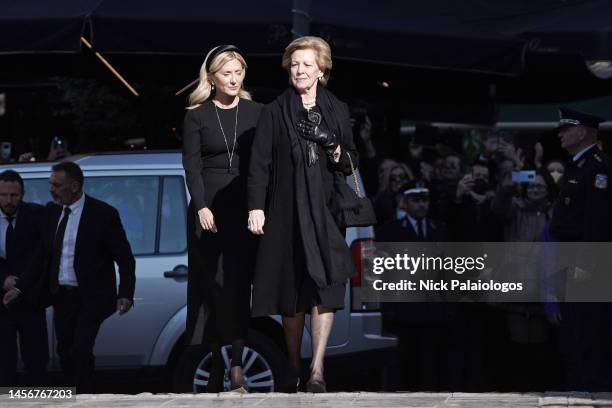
column 420, row 326
column 583, row 213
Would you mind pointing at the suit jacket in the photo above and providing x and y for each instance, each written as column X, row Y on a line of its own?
column 25, row 259
column 399, row 316
column 402, row 231
column 100, row 242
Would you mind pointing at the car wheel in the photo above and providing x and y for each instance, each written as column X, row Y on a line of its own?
column 262, row 360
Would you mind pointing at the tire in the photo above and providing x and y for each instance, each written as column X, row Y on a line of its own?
column 262, row 359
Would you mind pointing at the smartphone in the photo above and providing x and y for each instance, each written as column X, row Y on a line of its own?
column 524, row 176
column 58, row 141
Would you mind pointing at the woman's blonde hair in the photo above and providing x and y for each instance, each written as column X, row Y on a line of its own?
column 204, row 89
column 319, row 46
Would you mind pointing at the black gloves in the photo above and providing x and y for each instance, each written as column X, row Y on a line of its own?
column 315, row 133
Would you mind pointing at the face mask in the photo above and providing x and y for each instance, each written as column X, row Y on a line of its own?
column 556, row 176
column 400, row 214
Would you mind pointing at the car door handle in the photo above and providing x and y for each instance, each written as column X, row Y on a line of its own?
column 179, row 272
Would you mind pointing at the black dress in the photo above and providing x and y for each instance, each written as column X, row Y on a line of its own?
column 218, row 290
column 282, row 282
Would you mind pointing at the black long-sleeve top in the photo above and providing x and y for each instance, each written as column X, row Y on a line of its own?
column 204, row 146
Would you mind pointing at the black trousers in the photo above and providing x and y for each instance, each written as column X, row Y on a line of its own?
column 586, row 333
column 31, row 326
column 76, row 328
column 422, row 352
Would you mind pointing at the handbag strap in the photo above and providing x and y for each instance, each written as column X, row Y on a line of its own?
column 357, row 189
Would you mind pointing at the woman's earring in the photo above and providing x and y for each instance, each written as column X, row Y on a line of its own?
column 212, row 85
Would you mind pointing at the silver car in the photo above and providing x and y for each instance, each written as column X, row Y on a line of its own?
column 149, row 191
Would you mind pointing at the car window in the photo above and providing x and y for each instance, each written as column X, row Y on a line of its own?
column 136, row 198
column 173, row 234
column 37, row 191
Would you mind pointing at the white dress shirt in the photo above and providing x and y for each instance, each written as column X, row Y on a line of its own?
column 67, row 275
column 3, row 227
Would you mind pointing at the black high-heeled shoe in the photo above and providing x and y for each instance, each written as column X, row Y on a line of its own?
column 292, row 382
column 241, row 386
column 316, row 386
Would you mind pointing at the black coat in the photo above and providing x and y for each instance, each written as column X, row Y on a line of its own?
column 100, row 242
column 583, row 209
column 25, row 260
column 271, row 187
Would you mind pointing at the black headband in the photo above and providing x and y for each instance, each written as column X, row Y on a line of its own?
column 218, row 50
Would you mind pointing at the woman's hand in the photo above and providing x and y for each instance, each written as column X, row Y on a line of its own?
column 464, row 187
column 256, row 221
column 317, row 134
column 335, row 155
column 539, row 154
column 207, row 220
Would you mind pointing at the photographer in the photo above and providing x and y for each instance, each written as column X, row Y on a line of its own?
column 474, row 221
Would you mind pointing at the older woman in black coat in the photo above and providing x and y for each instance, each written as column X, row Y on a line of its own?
column 301, row 148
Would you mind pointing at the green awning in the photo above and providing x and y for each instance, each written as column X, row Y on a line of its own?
column 550, row 112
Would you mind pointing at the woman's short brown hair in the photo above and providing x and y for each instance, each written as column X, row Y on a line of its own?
column 317, row 44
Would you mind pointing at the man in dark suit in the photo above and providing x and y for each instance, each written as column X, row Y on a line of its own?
column 411, row 223
column 83, row 239
column 21, row 273
column 420, row 326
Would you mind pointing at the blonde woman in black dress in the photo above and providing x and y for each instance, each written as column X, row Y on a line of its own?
column 217, row 135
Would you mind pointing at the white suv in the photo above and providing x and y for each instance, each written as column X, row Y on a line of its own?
column 148, row 190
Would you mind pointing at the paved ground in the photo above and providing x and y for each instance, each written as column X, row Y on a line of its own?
column 330, row 400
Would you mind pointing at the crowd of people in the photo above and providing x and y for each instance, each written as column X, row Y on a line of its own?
column 437, row 194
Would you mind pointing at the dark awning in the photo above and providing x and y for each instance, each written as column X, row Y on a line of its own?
column 383, row 32
column 391, row 32
column 583, row 27
column 190, row 26
column 470, row 35
column 37, row 26
column 143, row 26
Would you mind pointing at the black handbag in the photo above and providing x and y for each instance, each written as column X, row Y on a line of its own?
column 352, row 210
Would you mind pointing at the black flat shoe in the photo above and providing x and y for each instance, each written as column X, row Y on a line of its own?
column 316, row 386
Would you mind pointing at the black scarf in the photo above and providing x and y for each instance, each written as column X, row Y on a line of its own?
column 325, row 250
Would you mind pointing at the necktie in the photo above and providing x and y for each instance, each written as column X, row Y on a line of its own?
column 420, row 234
column 9, row 238
column 56, row 254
